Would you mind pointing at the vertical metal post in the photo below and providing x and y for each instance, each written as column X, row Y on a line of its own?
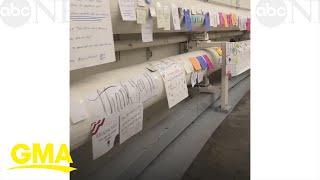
column 224, row 79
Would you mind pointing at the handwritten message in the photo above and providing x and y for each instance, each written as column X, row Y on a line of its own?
column 91, row 36
column 131, row 121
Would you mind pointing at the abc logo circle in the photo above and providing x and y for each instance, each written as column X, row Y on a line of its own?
column 15, row 12
column 271, row 12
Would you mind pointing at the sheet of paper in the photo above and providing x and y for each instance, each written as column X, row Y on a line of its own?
column 141, row 16
column 141, row 3
column 221, row 18
column 216, row 19
column 175, row 17
column 195, row 63
column 160, row 16
column 91, row 36
column 199, row 11
column 131, row 121
column 103, row 134
column 200, row 75
column 211, row 16
column 187, row 20
column 147, row 31
column 153, row 11
column 174, row 79
column 248, row 25
column 128, row 10
column 226, row 24
column 202, row 62
column 77, row 111
column 167, row 18
column 207, row 22
column 233, row 20
column 194, row 77
column 150, row 67
column 193, row 10
column 209, row 63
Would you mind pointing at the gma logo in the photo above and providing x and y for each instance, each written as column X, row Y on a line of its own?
column 36, row 158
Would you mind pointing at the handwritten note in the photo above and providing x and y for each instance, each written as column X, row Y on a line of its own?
column 141, row 3
column 91, row 36
column 207, row 22
column 209, row 63
column 187, row 20
column 195, row 63
column 202, row 62
column 160, row 15
column 174, row 80
column 186, row 64
column 141, row 16
column 167, row 18
column 103, row 133
column 194, row 77
column 226, row 24
column 147, row 30
column 221, row 18
column 131, row 121
column 128, row 10
column 200, row 75
column 175, row 17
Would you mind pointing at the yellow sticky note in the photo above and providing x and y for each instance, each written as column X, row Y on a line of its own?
column 225, row 20
column 195, row 63
column 236, row 60
column 218, row 50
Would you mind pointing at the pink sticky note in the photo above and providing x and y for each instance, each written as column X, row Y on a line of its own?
column 221, row 19
column 210, row 65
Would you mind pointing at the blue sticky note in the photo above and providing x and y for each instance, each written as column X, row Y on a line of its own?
column 202, row 62
column 207, row 22
column 187, row 19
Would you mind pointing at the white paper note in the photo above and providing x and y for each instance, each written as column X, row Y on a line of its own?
column 91, row 36
column 128, row 10
column 153, row 12
column 211, row 16
column 147, row 31
column 174, row 79
column 215, row 19
column 141, row 16
column 175, row 17
column 194, row 77
column 77, row 111
column 193, row 10
column 103, row 133
column 160, row 16
column 131, row 121
column 167, row 18
column 200, row 75
column 185, row 63
column 141, row 3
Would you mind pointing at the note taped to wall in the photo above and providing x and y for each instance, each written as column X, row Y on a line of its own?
column 160, row 16
column 167, row 18
column 128, row 10
column 147, row 31
column 153, row 12
column 200, row 75
column 195, row 63
column 186, row 64
column 175, row 17
column 202, row 62
column 226, row 24
column 209, row 63
column 91, row 36
column 174, row 80
column 103, row 133
column 131, row 121
column 194, row 77
column 187, row 20
column 77, row 111
column 141, row 16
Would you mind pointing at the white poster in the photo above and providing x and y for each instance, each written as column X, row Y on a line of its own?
column 131, row 121
column 238, row 57
column 91, row 36
column 174, row 79
column 128, row 10
column 147, row 31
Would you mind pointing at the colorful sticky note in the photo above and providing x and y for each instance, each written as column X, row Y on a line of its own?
column 202, row 62
column 248, row 24
column 207, row 22
column 187, row 19
column 225, row 20
column 230, row 20
column 210, row 65
column 195, row 63
column 218, row 50
column 221, row 18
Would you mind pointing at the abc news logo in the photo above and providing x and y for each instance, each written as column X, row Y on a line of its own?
column 270, row 12
column 15, row 12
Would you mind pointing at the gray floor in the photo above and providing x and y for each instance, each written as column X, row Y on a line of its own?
column 226, row 155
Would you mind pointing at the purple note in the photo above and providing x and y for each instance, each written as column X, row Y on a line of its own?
column 187, row 20
column 207, row 22
column 202, row 62
column 210, row 65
